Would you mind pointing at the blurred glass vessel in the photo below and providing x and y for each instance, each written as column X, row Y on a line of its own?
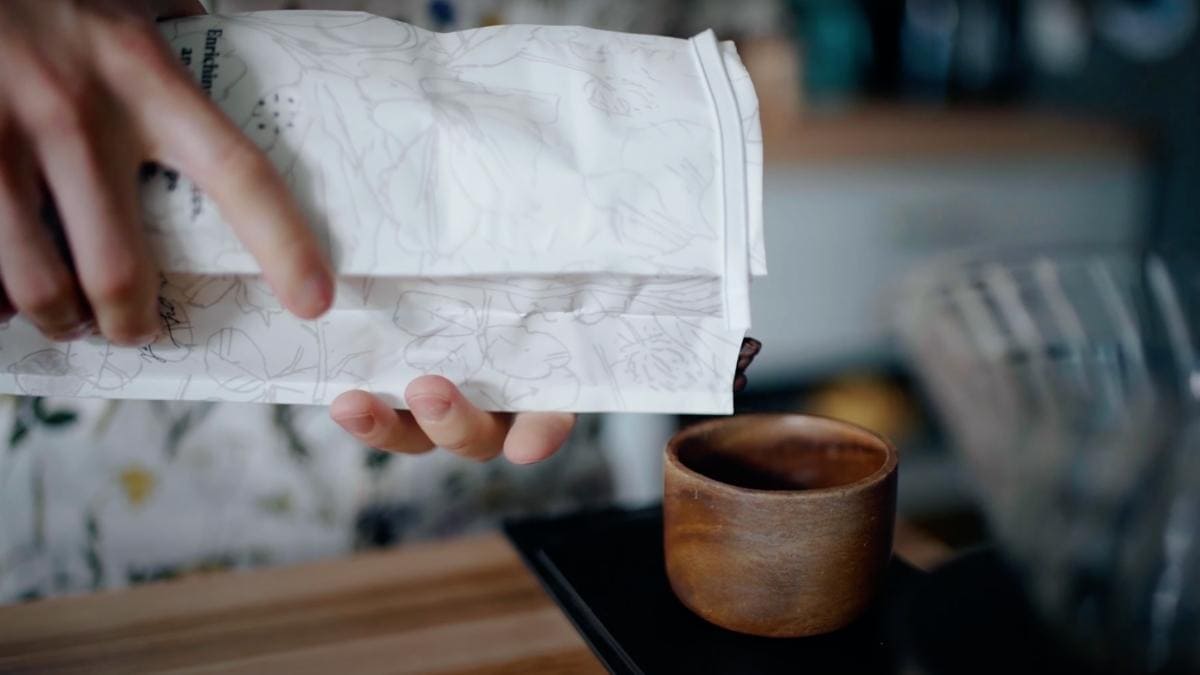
column 1071, row 383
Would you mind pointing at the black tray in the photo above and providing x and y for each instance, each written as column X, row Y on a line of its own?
column 606, row 571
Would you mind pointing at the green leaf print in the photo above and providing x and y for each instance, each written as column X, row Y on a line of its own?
column 91, row 552
column 19, row 431
column 279, row 503
column 297, row 449
column 52, row 418
column 31, row 412
column 376, row 460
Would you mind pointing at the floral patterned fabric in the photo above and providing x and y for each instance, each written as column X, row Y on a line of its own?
column 103, row 494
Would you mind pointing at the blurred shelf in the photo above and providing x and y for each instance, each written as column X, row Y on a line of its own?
column 911, row 133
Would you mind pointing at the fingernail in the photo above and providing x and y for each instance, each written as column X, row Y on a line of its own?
column 359, row 424
column 317, row 294
column 81, row 331
column 136, row 342
column 750, row 348
column 77, row 331
column 149, row 338
column 429, row 408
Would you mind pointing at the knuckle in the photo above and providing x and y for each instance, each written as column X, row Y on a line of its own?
column 403, row 446
column 379, row 439
column 239, row 162
column 123, row 335
column 137, row 51
column 136, row 37
column 387, row 440
column 401, row 436
column 47, row 297
column 59, row 107
column 461, row 444
column 119, row 282
column 470, row 448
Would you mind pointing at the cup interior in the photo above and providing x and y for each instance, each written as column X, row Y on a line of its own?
column 782, row 453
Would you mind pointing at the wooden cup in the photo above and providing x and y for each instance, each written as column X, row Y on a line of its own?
column 778, row 525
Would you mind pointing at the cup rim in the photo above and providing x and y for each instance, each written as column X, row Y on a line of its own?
column 890, row 462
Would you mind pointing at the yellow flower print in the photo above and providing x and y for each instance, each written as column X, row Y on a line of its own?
column 138, row 484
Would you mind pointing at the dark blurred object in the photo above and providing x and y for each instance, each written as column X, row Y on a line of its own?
column 928, row 34
column 985, row 55
column 1057, row 36
column 971, row 616
column 442, row 14
column 922, row 50
column 884, row 18
column 1071, row 381
column 884, row 401
column 835, row 42
column 958, row 50
column 1147, row 30
column 870, row 400
column 750, row 349
column 607, row 571
column 972, row 51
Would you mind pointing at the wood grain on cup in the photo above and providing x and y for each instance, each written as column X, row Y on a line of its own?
column 778, row 525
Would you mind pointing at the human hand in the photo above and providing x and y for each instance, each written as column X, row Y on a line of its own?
column 440, row 416
column 88, row 93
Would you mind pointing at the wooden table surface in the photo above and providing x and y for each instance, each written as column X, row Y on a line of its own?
column 457, row 606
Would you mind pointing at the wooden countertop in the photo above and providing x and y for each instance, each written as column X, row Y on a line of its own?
column 457, row 606
column 911, row 133
column 870, row 132
column 460, row 606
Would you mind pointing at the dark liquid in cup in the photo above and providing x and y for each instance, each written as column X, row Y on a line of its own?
column 784, row 465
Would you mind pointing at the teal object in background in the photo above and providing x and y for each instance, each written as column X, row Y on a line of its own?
column 835, row 43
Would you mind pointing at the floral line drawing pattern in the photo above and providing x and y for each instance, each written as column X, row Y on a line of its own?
column 537, row 213
column 508, row 342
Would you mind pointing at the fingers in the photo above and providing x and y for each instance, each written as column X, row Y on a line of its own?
column 454, row 423
column 92, row 109
column 91, row 174
column 7, row 310
column 96, row 200
column 749, row 349
column 174, row 9
column 185, row 130
column 371, row 421
column 35, row 278
column 537, row 435
column 441, row 416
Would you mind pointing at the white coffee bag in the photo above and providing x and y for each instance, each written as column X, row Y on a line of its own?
column 552, row 217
